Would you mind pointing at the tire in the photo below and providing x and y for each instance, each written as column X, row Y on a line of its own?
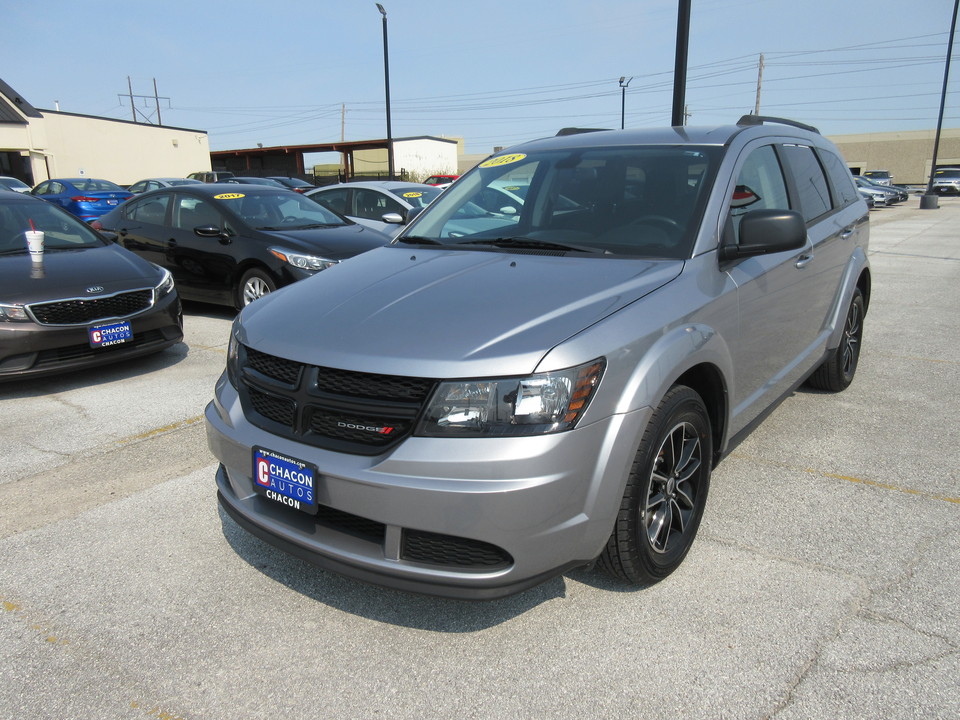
column 253, row 285
column 837, row 370
column 665, row 494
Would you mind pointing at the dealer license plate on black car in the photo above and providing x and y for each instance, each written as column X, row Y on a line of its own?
column 285, row 480
column 112, row 334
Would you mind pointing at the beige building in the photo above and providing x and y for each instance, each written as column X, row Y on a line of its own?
column 37, row 145
column 908, row 156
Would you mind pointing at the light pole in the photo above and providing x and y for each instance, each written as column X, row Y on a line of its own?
column 624, row 81
column 386, row 86
column 928, row 200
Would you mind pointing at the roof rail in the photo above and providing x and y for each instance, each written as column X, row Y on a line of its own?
column 761, row 119
column 577, row 131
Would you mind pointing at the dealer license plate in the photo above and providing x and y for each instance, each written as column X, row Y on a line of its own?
column 112, row 334
column 285, row 480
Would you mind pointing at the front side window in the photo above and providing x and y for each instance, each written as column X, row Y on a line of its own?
column 810, row 180
column 760, row 186
column 642, row 201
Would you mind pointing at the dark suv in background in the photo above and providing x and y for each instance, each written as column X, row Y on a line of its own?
column 509, row 391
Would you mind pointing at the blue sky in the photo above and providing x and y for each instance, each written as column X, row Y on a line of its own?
column 495, row 72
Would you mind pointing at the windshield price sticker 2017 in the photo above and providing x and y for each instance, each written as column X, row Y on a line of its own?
column 285, row 480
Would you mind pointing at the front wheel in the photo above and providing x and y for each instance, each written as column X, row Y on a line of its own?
column 837, row 370
column 253, row 285
column 666, row 492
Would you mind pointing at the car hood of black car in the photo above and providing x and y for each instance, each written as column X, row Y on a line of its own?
column 334, row 242
column 75, row 273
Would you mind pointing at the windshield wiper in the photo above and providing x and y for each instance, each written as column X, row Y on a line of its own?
column 418, row 240
column 530, row 244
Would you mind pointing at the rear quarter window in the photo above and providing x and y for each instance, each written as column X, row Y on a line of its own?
column 844, row 190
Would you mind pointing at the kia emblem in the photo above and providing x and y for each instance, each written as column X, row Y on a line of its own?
column 95, row 289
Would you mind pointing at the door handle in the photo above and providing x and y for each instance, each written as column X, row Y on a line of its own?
column 171, row 243
column 846, row 233
column 804, row 259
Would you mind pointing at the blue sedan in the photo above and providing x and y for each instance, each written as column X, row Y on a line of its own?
column 87, row 198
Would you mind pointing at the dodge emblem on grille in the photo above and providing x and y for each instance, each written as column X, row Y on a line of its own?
column 95, row 289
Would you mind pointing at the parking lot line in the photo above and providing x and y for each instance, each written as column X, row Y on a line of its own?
column 857, row 480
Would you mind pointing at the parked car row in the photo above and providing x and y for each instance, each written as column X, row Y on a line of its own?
column 880, row 195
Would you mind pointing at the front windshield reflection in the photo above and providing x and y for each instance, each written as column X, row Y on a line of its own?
column 643, row 201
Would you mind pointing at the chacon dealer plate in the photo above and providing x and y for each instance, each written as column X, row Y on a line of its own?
column 285, row 480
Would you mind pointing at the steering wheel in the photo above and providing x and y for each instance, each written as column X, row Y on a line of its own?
column 664, row 222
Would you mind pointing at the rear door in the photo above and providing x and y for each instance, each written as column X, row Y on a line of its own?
column 144, row 227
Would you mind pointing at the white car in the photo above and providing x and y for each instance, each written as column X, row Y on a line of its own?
column 12, row 183
column 386, row 206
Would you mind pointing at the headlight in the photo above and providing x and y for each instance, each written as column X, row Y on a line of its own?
column 305, row 262
column 13, row 313
column 535, row 405
column 165, row 286
column 233, row 356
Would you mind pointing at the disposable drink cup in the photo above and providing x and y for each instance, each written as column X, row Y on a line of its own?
column 35, row 243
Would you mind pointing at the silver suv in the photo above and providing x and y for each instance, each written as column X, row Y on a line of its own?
column 946, row 181
column 512, row 389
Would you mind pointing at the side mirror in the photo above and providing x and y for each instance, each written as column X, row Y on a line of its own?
column 763, row 232
column 393, row 219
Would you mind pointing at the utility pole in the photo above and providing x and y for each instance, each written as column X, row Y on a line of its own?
column 756, row 108
column 133, row 108
column 156, row 99
column 133, row 101
column 680, row 65
column 343, row 121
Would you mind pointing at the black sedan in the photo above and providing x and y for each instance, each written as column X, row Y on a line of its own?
column 231, row 244
column 81, row 302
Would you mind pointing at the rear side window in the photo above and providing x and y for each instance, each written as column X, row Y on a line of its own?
column 810, row 181
column 840, row 178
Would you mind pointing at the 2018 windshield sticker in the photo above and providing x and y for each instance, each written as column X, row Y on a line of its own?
column 228, row 196
column 503, row 160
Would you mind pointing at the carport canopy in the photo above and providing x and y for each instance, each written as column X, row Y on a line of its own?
column 291, row 156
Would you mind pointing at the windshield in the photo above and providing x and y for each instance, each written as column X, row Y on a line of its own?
column 281, row 210
column 643, row 201
column 952, row 174
column 61, row 231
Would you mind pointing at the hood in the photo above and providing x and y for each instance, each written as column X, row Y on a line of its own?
column 335, row 243
column 68, row 273
column 445, row 313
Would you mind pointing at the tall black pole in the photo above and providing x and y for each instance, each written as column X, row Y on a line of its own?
column 929, row 201
column 386, row 85
column 680, row 67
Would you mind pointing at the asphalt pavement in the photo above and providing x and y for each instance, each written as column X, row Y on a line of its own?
column 824, row 582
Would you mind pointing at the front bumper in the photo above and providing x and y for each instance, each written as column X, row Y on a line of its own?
column 476, row 519
column 31, row 350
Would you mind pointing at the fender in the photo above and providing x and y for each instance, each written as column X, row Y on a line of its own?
column 856, row 266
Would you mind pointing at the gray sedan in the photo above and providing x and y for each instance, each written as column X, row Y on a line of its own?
column 383, row 205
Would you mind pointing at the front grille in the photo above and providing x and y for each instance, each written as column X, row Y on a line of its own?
column 277, row 368
column 450, row 551
column 81, row 311
column 353, row 412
